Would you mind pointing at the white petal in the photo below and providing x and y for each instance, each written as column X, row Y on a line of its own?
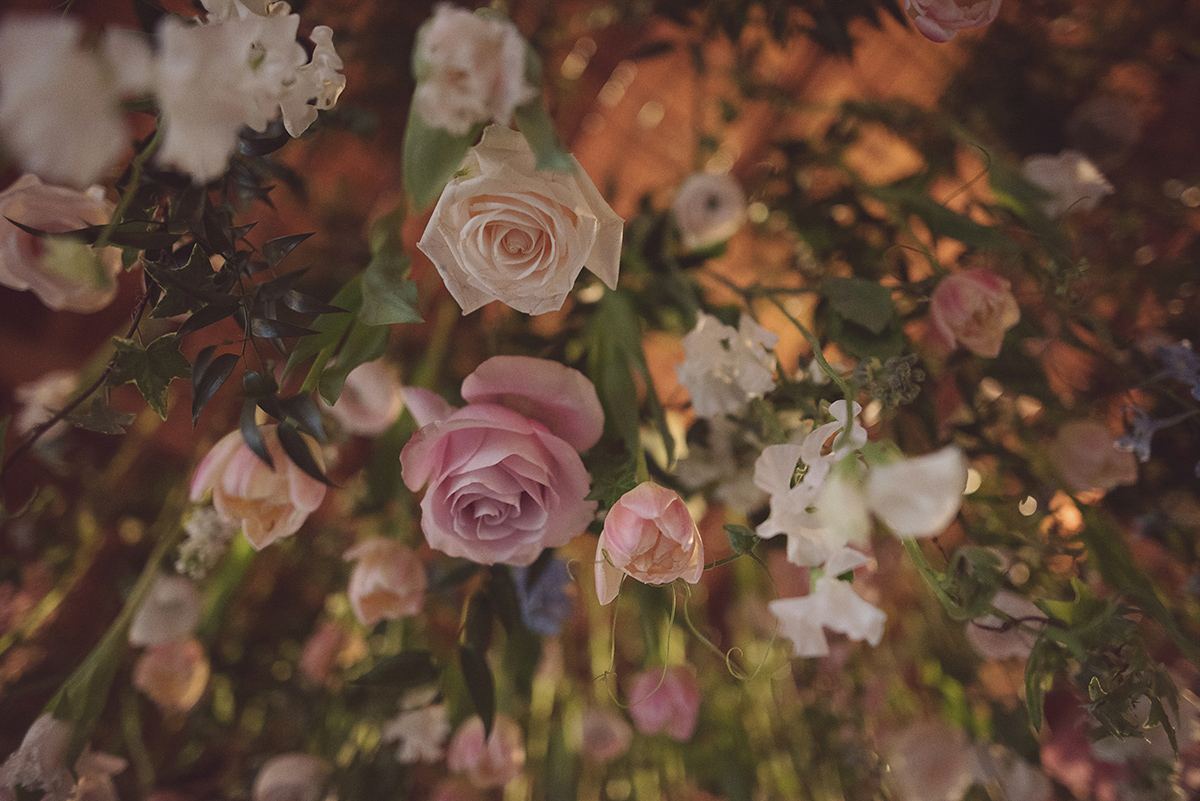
column 919, row 497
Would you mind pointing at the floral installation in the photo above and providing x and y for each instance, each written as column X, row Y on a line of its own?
column 689, row 401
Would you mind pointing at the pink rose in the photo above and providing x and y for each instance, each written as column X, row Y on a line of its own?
column 559, row 397
column 665, row 700
column 173, row 675
column 1085, row 455
column 370, row 401
column 269, row 503
column 66, row 274
column 941, row 20
column 491, row 763
column 648, row 534
column 973, row 308
column 388, row 581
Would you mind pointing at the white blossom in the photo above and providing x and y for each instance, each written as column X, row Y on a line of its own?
column 832, row 604
column 420, row 734
column 724, row 368
column 40, row 764
column 170, row 612
column 708, row 209
column 41, row 399
column 1072, row 180
column 207, row 539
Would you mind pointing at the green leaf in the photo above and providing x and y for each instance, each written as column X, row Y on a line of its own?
column 860, row 301
column 275, row 250
column 99, row 416
column 431, row 157
column 363, row 344
column 388, row 295
column 402, row 671
column 741, row 539
column 150, row 369
column 477, row 675
column 1037, row 679
column 533, row 119
column 208, row 378
column 944, row 222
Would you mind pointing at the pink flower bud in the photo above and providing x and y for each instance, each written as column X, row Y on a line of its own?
column 173, row 675
column 269, row 503
column 941, row 20
column 606, row 735
column 291, row 777
column 370, row 401
column 493, row 763
column 1086, row 457
column 973, row 308
column 388, row 581
column 650, row 535
column 665, row 700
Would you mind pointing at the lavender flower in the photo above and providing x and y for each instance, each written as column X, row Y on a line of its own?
column 545, row 603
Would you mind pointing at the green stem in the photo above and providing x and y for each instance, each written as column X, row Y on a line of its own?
column 135, row 178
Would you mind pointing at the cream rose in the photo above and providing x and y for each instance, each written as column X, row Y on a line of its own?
column 505, row 231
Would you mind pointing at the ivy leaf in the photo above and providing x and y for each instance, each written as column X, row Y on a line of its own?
column 860, row 301
column 101, row 417
column 402, row 671
column 388, row 295
column 150, row 369
column 431, row 157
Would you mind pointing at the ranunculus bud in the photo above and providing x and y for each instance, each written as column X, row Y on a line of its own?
column 269, row 503
column 66, row 274
column 291, row 777
column 1085, row 454
column 606, row 735
column 388, row 581
column 941, row 20
column 648, row 534
column 665, row 700
column 708, row 209
column 491, row 763
column 169, row 614
column 370, row 401
column 173, row 675
column 973, row 308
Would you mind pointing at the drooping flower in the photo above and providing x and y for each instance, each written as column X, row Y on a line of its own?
column 708, row 208
column 169, row 614
column 665, row 700
column 973, row 308
column 40, row 764
column 725, row 368
column 649, row 534
column 41, row 399
column 370, row 401
column 503, row 230
column 941, row 20
column 268, row 502
column 1070, row 178
column 831, row 604
column 490, row 762
column 388, row 581
column 291, row 777
column 470, row 70
column 65, row 273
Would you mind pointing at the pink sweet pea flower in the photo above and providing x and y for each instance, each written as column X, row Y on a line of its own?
column 665, row 700
column 291, row 777
column 173, row 675
column 973, row 308
column 493, row 762
column 388, row 581
column 648, row 534
column 268, row 503
column 941, row 20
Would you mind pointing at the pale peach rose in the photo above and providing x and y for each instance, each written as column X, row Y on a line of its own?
column 973, row 308
column 941, row 20
column 665, row 700
column 606, row 735
column 388, row 581
column 503, row 230
column 1085, row 454
column 170, row 612
column 65, row 274
column 291, row 777
column 269, row 503
column 370, row 401
column 470, row 70
column 173, row 675
column 650, row 535
column 491, row 763
column 708, row 209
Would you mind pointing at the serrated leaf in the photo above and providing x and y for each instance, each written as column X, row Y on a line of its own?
column 431, row 157
column 402, row 671
column 101, row 417
column 151, row 369
column 208, row 378
column 477, row 675
column 389, row 296
column 297, row 449
column 860, row 301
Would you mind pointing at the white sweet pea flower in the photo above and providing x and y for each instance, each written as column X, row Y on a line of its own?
column 725, row 367
column 1073, row 181
column 832, row 604
column 920, row 496
column 420, row 734
column 317, row 85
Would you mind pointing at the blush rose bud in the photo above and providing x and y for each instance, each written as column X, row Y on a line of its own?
column 941, row 20
column 648, row 534
column 269, row 503
column 388, row 581
column 665, row 700
column 973, row 308
column 493, row 762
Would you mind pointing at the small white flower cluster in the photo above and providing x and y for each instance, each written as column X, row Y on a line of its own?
column 207, row 540
column 724, row 367
column 60, row 102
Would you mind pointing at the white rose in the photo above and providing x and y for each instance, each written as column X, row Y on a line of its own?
column 65, row 274
column 505, row 231
column 471, row 69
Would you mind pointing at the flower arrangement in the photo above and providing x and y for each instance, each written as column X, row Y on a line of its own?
column 464, row 410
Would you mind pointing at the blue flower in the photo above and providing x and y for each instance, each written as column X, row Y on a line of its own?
column 545, row 603
column 1181, row 363
column 1141, row 428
